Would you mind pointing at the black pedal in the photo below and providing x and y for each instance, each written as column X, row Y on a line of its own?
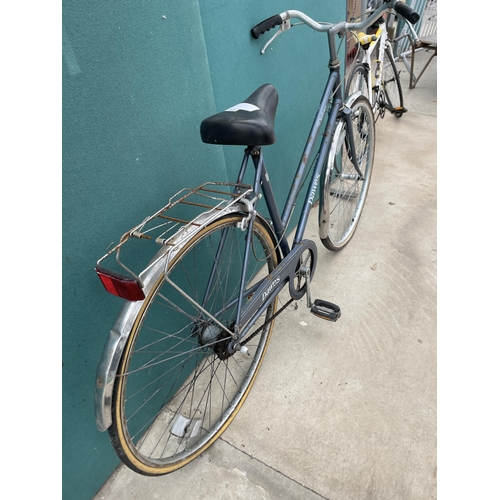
column 325, row 310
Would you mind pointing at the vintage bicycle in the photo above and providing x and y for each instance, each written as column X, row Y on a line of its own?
column 186, row 347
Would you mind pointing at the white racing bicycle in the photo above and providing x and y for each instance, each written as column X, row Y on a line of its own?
column 374, row 71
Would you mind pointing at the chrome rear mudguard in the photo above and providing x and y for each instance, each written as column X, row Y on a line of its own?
column 113, row 350
column 112, row 353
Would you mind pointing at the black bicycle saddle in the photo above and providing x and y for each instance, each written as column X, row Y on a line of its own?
column 249, row 123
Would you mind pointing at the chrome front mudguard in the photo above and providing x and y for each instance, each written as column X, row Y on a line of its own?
column 324, row 209
column 113, row 350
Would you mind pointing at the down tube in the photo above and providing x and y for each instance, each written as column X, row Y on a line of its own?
column 313, row 134
column 323, row 152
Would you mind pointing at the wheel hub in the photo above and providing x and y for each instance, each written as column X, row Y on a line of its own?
column 209, row 334
column 222, row 347
column 214, row 337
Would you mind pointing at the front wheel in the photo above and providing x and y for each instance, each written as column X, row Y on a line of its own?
column 391, row 86
column 358, row 81
column 344, row 190
column 178, row 386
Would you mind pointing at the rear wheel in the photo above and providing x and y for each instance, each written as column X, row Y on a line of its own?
column 178, row 387
column 344, row 190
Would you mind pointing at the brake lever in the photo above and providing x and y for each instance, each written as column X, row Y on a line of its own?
column 284, row 26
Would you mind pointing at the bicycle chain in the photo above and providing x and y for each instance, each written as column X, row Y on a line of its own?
column 266, row 323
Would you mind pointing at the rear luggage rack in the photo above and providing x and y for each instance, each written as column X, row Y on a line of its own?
column 187, row 212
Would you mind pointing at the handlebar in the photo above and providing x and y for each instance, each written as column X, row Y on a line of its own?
column 407, row 12
column 400, row 8
column 266, row 25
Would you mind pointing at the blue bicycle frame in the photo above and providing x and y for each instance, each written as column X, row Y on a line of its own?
column 260, row 296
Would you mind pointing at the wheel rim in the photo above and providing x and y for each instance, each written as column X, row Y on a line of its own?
column 176, row 391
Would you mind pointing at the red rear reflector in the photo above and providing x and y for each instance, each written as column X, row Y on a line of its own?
column 120, row 285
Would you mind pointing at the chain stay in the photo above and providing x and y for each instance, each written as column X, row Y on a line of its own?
column 266, row 323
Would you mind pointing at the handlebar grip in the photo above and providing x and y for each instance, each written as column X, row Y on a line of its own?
column 407, row 12
column 266, row 25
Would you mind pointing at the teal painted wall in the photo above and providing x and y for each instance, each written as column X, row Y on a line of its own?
column 138, row 78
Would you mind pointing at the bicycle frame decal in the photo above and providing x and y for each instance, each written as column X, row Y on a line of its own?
column 271, row 286
column 313, row 193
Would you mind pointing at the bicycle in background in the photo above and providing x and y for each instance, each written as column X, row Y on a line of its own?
column 186, row 347
column 374, row 71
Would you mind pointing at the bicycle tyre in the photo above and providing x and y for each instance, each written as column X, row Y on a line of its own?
column 391, row 85
column 358, row 81
column 175, row 392
column 343, row 192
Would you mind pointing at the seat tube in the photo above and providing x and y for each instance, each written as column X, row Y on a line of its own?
column 267, row 191
column 259, row 167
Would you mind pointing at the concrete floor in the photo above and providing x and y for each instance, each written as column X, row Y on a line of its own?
column 344, row 410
